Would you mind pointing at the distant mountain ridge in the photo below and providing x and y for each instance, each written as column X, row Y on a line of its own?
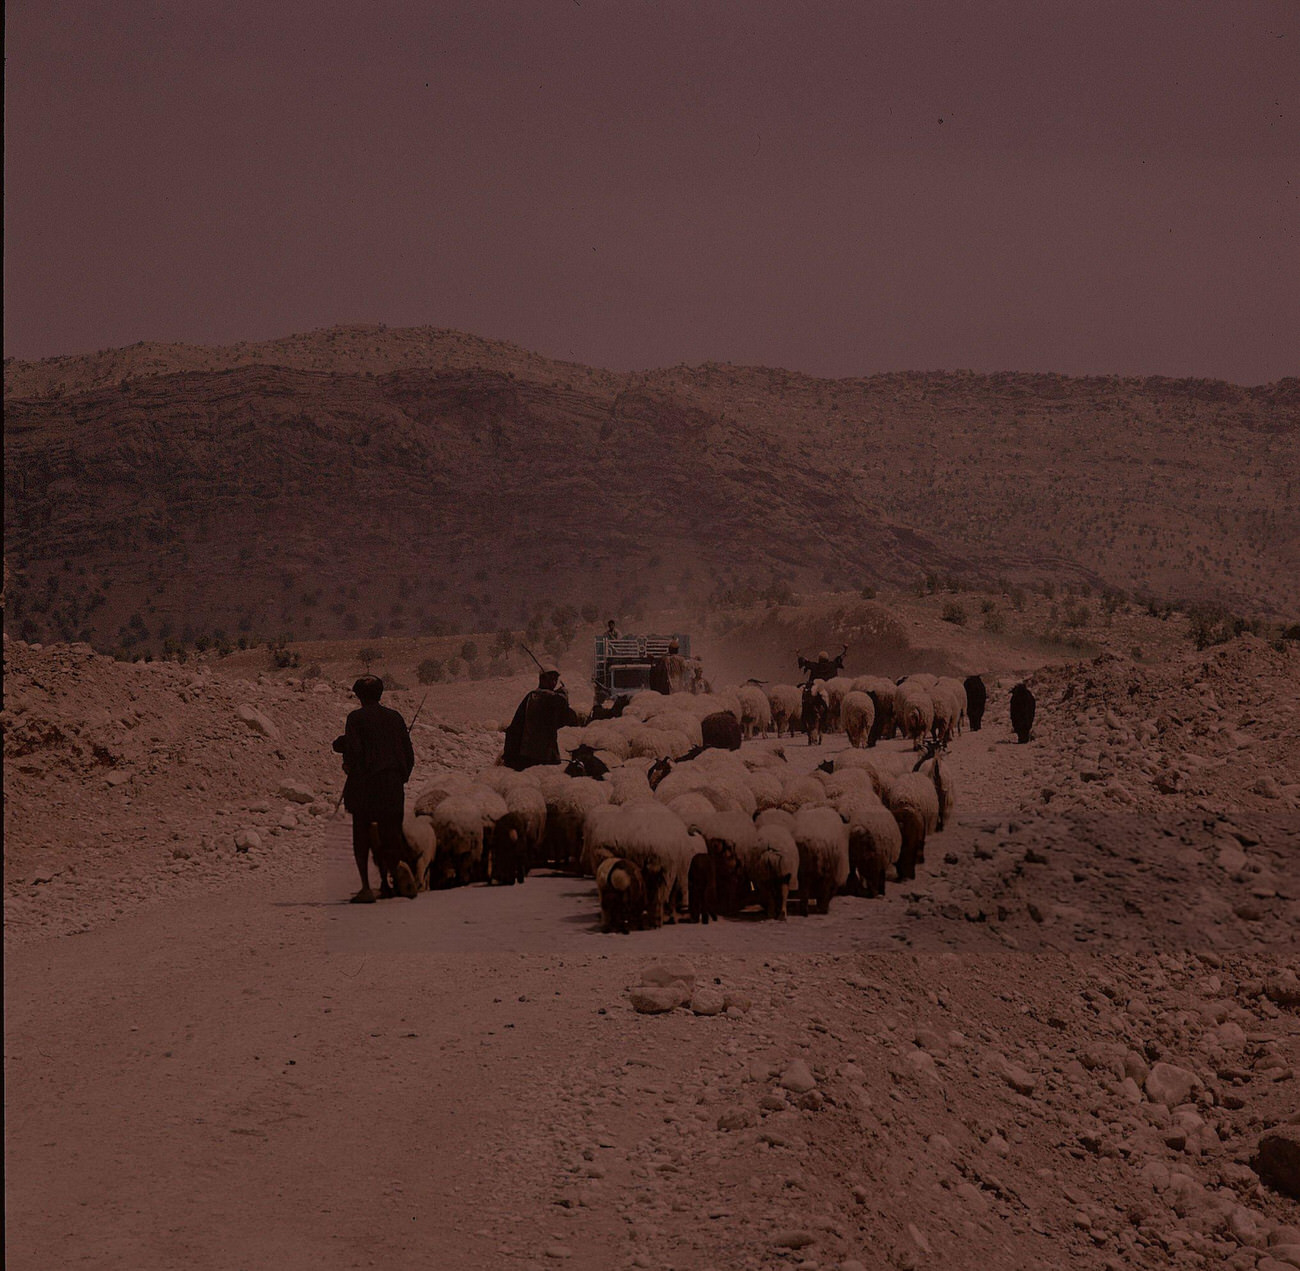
column 365, row 479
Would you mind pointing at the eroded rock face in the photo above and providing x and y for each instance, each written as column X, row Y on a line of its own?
column 1278, row 1160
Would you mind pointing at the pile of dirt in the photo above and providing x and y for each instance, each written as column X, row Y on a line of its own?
column 1213, row 730
column 128, row 781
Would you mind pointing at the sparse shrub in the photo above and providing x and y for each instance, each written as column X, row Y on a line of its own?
column 430, row 671
column 1076, row 615
column 391, row 681
column 367, row 655
column 313, row 672
column 955, row 612
column 868, row 593
column 995, row 623
column 987, row 605
column 455, row 668
column 1292, row 632
column 469, row 651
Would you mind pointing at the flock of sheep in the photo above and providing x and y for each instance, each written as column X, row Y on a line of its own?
column 674, row 821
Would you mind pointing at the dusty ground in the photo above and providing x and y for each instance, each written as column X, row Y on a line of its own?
column 212, row 1062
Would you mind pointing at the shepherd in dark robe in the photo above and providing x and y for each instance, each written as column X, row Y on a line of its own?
column 378, row 758
column 823, row 667
column 531, row 736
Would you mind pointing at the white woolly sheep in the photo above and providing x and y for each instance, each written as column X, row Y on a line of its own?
column 771, row 866
column 627, row 784
column 775, row 816
column 823, row 843
column 875, row 842
column 728, row 837
column 458, row 829
column 693, row 808
column 566, row 809
column 654, row 838
column 439, row 788
column 952, row 692
column 755, row 710
column 836, row 688
column 786, row 704
column 420, row 847
column 527, row 802
column 802, row 790
column 915, row 711
column 767, row 788
column 874, row 766
column 944, row 791
column 915, row 805
column 859, row 714
column 882, row 692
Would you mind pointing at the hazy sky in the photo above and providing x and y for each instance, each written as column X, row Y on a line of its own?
column 841, row 188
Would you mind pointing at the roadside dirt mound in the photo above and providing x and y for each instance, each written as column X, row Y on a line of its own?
column 128, row 781
column 1209, row 731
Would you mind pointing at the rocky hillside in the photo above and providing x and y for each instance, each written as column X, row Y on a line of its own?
column 368, row 481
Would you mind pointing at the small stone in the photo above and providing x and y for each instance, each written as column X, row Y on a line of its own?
column 1170, row 1085
column 257, row 721
column 655, row 1001
column 1019, row 1079
column 247, row 840
column 931, row 1040
column 738, row 1002
column 558, row 1251
column 707, row 1002
column 670, row 970
column 295, row 792
column 797, row 1078
column 118, row 777
column 794, row 1239
column 735, row 1119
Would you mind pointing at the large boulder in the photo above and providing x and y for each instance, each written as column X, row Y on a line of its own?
column 1277, row 1160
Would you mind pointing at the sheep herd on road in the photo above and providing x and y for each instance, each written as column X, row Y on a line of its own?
column 678, row 818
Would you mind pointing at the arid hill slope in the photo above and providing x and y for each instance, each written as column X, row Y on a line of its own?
column 360, row 479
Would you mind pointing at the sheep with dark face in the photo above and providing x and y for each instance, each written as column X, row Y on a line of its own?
column 976, row 696
column 816, row 710
column 721, row 731
column 621, row 892
column 729, row 838
column 1023, row 705
column 702, row 888
column 511, row 839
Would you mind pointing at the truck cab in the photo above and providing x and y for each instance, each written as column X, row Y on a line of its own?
column 623, row 662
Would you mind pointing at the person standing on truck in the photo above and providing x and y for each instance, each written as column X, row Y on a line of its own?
column 531, row 736
column 660, row 682
column 378, row 758
column 611, row 631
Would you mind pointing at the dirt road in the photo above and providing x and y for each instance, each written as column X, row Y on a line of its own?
column 267, row 1077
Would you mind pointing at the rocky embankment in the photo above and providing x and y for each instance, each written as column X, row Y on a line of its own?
column 128, row 782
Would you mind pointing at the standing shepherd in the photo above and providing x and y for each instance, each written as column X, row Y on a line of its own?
column 823, row 666
column 378, row 758
column 531, row 737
